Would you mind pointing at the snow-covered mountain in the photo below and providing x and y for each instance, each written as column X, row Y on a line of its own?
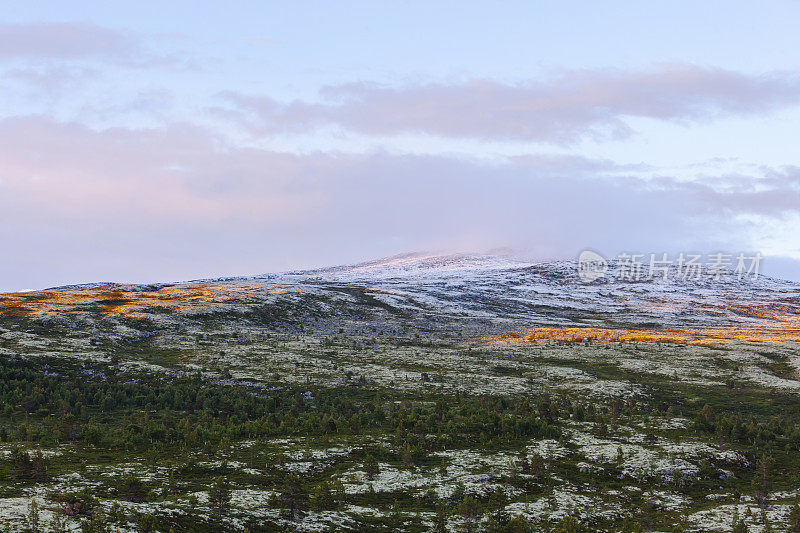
column 551, row 293
column 478, row 293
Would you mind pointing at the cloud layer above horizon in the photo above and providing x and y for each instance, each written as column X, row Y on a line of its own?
column 564, row 110
column 136, row 152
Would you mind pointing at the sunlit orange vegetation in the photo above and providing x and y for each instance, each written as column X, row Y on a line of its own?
column 769, row 322
column 113, row 301
column 701, row 336
column 782, row 312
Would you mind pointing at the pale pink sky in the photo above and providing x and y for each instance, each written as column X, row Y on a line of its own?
column 176, row 142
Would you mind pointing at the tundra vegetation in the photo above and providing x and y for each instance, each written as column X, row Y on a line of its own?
column 321, row 407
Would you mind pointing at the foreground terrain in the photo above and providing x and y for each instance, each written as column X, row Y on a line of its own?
column 418, row 393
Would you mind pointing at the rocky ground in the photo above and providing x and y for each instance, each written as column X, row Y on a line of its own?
column 418, row 393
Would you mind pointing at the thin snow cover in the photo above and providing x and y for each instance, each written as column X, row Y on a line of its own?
column 547, row 449
column 720, row 518
column 565, row 500
column 668, row 460
column 14, row 512
column 479, row 473
column 254, row 500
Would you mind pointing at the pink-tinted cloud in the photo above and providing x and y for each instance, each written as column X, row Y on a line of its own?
column 66, row 40
column 175, row 173
column 60, row 43
column 776, row 194
column 51, row 80
column 572, row 106
column 78, row 204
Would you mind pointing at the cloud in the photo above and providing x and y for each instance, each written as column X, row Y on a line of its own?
column 60, row 43
column 774, row 193
column 178, row 202
column 51, row 80
column 570, row 107
column 177, row 173
column 65, row 40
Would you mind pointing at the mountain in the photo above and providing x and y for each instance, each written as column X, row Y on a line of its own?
column 376, row 396
column 481, row 294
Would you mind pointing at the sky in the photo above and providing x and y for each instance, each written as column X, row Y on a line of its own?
column 165, row 141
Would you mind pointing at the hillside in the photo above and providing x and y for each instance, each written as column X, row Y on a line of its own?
column 415, row 391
